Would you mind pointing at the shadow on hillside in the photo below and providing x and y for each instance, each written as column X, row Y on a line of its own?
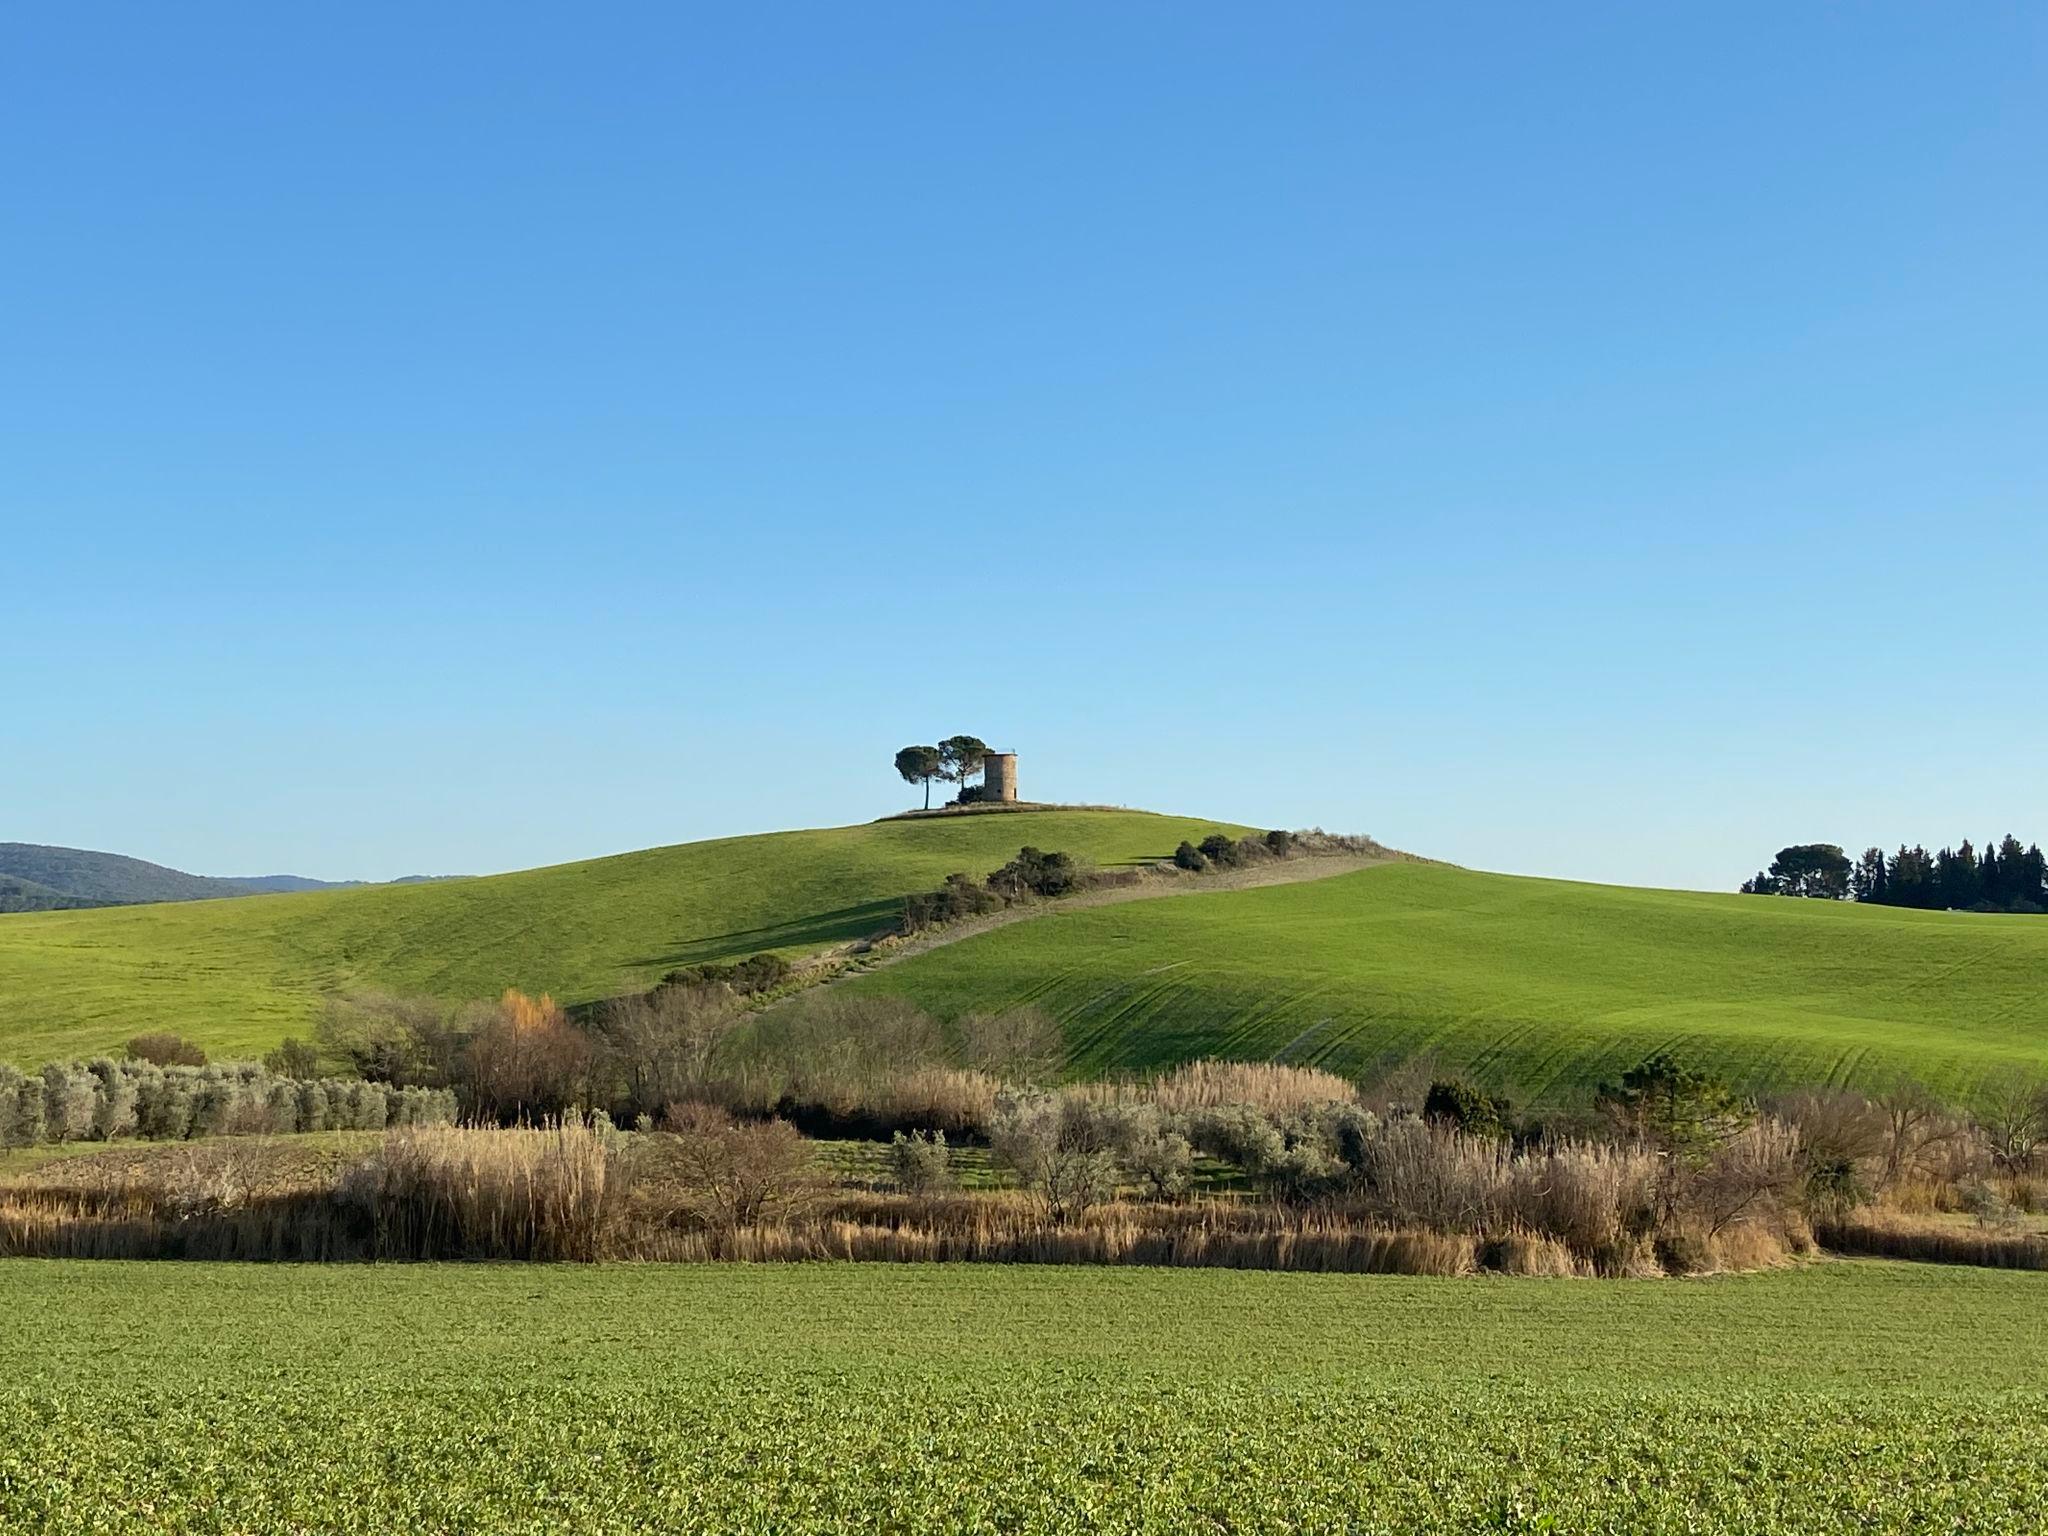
column 815, row 931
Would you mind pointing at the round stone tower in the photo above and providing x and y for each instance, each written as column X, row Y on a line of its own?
column 999, row 776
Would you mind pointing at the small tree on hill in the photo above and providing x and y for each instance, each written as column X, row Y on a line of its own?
column 962, row 757
column 1675, row 1108
column 1813, row 869
column 920, row 765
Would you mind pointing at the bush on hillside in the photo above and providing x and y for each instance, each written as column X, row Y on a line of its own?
column 1059, row 1149
column 920, row 1162
column 1036, row 873
column 1470, row 1109
column 292, row 1058
column 1187, row 856
column 163, row 1049
column 962, row 896
column 749, row 977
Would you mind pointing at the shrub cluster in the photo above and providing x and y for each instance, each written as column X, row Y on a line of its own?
column 104, row 1099
column 1033, row 873
column 1220, row 851
column 748, row 978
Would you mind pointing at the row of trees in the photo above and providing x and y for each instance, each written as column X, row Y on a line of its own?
column 2004, row 877
column 953, row 761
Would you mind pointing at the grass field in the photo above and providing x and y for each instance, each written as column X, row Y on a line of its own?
column 238, row 975
column 1537, row 985
column 828, row 1398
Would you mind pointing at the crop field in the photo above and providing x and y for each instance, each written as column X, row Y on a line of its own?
column 254, row 1398
column 1539, row 986
column 238, row 975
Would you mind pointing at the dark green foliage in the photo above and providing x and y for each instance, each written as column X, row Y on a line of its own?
column 961, row 758
column 749, row 977
column 1279, row 842
column 1033, row 873
column 921, row 1164
column 1222, row 850
column 163, row 1049
column 293, row 1058
column 1188, row 856
column 920, row 765
column 1673, row 1107
column 20, row 895
column 1470, row 1109
column 1819, row 870
column 2004, row 877
column 962, row 896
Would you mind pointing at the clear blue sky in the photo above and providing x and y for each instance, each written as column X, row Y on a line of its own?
column 1599, row 441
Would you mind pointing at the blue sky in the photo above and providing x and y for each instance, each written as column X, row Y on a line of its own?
column 1597, row 441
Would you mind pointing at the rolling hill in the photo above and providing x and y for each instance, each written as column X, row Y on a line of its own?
column 1539, row 986
column 237, row 976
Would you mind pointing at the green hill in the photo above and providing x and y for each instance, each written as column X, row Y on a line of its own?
column 237, row 975
column 1536, row 985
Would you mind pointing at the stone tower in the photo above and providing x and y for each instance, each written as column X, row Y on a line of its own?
column 999, row 776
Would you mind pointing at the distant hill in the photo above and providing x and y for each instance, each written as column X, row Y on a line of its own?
column 19, row 895
column 90, row 878
column 35, row 877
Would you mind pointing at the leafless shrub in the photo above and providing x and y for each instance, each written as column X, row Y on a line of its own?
column 735, row 1174
column 1022, row 1045
column 2012, row 1117
column 1755, row 1171
column 657, row 1048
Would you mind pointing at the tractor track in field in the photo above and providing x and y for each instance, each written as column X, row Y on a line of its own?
column 1155, row 883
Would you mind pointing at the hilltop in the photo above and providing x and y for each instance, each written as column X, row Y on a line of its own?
column 1542, row 987
column 237, row 976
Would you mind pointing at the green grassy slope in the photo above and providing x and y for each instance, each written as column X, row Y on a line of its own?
column 238, row 975
column 978, row 1399
column 1538, row 985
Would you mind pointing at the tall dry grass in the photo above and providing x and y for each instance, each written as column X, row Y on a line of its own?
column 1271, row 1087
column 446, row 1192
column 1890, row 1235
column 1006, row 1229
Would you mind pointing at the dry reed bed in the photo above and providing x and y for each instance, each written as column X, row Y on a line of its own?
column 564, row 1193
column 1888, row 1235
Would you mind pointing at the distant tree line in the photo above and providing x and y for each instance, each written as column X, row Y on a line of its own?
column 2004, row 877
column 953, row 761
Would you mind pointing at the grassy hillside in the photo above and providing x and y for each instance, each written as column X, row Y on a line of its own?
column 1542, row 986
column 238, row 975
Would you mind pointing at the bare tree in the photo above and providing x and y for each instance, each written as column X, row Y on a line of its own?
column 740, row 1175
column 1022, row 1045
column 2013, row 1115
column 659, row 1047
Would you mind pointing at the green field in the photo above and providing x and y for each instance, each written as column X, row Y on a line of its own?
column 181, row 1398
column 238, row 975
column 1537, row 985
